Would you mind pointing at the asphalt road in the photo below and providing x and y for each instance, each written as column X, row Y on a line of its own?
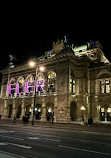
column 22, row 141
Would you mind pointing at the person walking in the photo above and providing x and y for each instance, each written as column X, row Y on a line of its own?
column 90, row 121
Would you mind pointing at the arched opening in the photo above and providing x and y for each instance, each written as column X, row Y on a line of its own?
column 12, row 87
column 38, row 111
column 10, row 108
column 18, row 111
column 40, row 83
column 73, row 111
column 29, row 84
column 49, row 111
column 28, row 110
column 109, row 114
column 102, row 114
column 20, row 85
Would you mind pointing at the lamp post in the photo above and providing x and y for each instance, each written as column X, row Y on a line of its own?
column 32, row 64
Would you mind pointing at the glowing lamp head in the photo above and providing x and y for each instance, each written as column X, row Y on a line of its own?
column 41, row 68
column 82, row 108
column 31, row 63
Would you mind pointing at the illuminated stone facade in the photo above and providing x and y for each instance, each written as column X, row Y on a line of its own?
column 74, row 77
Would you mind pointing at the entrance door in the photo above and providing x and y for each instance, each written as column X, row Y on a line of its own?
column 73, row 111
column 38, row 111
column 49, row 111
column 28, row 111
column 102, row 114
column 109, row 114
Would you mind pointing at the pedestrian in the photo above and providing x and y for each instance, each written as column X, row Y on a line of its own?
column 52, row 117
column 82, row 120
column 90, row 121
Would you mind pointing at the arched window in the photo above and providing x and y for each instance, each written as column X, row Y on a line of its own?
column 29, row 87
column 40, row 83
column 51, row 81
column 12, row 87
column 20, row 85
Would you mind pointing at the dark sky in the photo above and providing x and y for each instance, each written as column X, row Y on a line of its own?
column 28, row 32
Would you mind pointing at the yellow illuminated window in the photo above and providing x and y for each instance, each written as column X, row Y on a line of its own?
column 40, row 76
column 104, row 86
column 30, row 78
column 51, row 81
column 109, row 109
column 72, row 86
column 52, row 75
column 21, row 80
column 102, row 109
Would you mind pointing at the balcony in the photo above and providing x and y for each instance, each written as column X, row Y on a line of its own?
column 30, row 95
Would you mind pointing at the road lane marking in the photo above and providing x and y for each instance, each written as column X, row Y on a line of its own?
column 33, row 138
column 20, row 145
column 7, row 153
column 89, row 141
column 11, row 137
column 3, row 143
column 85, row 150
column 55, row 140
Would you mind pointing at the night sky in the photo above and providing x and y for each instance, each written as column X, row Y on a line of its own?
column 28, row 32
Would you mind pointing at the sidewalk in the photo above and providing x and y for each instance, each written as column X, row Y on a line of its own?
column 103, row 128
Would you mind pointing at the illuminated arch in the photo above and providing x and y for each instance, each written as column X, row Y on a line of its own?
column 20, row 79
column 40, row 83
column 30, row 78
column 12, row 80
column 40, row 76
column 12, row 86
column 29, row 84
column 51, row 81
column 51, row 74
column 20, row 85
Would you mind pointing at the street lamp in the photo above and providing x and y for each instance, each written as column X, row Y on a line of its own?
column 41, row 68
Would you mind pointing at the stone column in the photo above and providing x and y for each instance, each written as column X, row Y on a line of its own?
column 32, row 106
column 5, row 113
column 55, row 109
column 14, row 109
column 43, row 116
column 23, row 109
column 105, row 113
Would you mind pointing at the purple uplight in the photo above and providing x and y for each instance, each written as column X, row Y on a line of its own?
column 9, row 89
column 17, row 88
column 26, row 85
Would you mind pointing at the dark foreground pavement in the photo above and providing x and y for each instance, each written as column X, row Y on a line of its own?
column 103, row 127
